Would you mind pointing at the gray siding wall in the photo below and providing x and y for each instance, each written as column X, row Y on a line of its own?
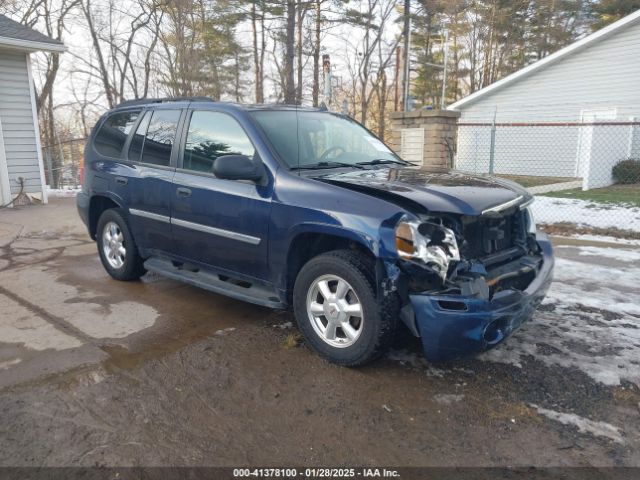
column 603, row 77
column 17, row 122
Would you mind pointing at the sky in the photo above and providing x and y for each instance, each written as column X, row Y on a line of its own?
column 339, row 41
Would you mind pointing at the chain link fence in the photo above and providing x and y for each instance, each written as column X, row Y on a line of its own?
column 62, row 163
column 585, row 175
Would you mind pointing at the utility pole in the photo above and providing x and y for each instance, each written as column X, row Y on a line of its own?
column 444, row 72
column 407, row 48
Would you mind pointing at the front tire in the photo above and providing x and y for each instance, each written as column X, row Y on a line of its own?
column 336, row 308
column 117, row 249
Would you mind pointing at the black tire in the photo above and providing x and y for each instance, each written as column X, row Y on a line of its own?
column 380, row 316
column 132, row 267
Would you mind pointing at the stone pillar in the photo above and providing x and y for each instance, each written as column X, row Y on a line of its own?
column 434, row 146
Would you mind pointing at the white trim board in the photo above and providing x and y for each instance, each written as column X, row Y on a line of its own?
column 5, row 186
column 574, row 47
column 30, row 45
column 36, row 129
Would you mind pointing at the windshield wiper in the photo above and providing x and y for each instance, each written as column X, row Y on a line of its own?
column 382, row 161
column 326, row 164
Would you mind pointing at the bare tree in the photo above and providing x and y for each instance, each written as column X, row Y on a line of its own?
column 289, row 55
column 123, row 46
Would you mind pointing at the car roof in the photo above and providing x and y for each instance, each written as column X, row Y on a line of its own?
column 182, row 102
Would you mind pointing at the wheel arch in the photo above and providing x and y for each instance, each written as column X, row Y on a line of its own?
column 308, row 243
column 97, row 205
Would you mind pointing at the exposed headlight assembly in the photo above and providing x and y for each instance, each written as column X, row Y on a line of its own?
column 531, row 223
column 429, row 243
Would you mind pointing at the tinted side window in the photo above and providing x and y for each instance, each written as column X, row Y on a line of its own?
column 160, row 137
column 114, row 132
column 211, row 135
column 135, row 149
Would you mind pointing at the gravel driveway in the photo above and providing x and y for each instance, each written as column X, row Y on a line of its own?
column 98, row 372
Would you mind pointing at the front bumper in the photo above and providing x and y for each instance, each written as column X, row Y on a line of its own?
column 451, row 326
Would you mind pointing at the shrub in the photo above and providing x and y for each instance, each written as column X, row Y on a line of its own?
column 627, row 171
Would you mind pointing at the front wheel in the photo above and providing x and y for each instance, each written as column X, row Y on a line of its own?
column 118, row 251
column 337, row 310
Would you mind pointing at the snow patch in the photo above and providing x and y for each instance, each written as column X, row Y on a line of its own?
column 596, row 286
column 416, row 361
column 447, row 398
column 62, row 192
column 283, row 326
column 613, row 253
column 584, row 425
column 620, row 254
column 590, row 321
column 586, row 213
column 9, row 363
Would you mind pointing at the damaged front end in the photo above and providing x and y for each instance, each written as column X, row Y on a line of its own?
column 467, row 282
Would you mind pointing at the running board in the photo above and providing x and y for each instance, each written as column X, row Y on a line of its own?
column 214, row 282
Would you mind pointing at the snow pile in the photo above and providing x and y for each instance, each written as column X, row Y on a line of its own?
column 584, row 425
column 590, row 321
column 62, row 192
column 621, row 255
column 606, row 239
column 586, row 213
column 597, row 286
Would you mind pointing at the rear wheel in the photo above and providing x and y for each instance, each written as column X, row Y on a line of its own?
column 118, row 251
column 337, row 310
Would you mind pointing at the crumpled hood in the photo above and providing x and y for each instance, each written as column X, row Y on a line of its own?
column 443, row 191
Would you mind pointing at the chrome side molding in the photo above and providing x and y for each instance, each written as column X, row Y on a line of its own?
column 152, row 216
column 196, row 226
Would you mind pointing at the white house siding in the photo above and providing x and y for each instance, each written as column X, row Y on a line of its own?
column 603, row 77
column 18, row 132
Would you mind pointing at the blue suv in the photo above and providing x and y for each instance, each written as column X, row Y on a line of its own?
column 292, row 207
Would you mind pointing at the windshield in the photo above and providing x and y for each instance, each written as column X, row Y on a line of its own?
column 323, row 140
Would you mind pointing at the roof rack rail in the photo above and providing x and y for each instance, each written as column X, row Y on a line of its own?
column 145, row 101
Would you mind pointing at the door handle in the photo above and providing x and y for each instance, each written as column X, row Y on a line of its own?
column 184, row 192
column 121, row 181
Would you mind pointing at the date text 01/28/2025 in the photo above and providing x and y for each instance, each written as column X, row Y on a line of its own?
column 315, row 473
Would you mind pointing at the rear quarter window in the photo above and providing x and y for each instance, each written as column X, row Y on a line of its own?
column 113, row 133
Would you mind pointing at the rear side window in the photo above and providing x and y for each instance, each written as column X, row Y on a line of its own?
column 135, row 150
column 160, row 137
column 211, row 135
column 113, row 133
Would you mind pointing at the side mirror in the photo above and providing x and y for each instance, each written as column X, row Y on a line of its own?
column 238, row 167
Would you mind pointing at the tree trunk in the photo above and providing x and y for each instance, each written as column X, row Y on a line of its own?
column 382, row 109
column 299, row 65
column 47, row 88
column 316, row 54
column 289, row 57
column 51, row 140
column 101, row 63
column 257, row 66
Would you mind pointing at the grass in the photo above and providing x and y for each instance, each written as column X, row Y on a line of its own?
column 531, row 181
column 618, row 194
column 564, row 229
column 292, row 340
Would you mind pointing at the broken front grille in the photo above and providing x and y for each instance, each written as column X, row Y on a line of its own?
column 485, row 236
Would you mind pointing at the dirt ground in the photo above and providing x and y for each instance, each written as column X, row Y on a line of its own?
column 99, row 372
